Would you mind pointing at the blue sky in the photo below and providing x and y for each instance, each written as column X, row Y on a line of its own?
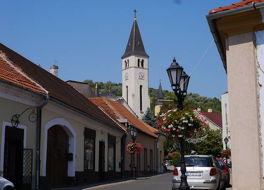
column 86, row 38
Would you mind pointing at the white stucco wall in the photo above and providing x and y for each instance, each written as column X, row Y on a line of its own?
column 243, row 111
column 130, row 78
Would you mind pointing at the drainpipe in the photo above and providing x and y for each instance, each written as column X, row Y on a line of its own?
column 38, row 140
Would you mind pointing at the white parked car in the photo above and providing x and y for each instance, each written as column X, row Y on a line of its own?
column 202, row 171
column 6, row 185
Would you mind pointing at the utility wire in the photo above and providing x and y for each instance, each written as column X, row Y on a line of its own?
column 202, row 57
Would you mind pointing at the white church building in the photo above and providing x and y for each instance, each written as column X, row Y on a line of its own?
column 135, row 76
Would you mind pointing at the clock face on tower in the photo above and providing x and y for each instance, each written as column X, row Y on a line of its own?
column 140, row 75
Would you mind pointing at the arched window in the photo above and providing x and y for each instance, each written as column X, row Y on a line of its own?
column 142, row 63
column 138, row 62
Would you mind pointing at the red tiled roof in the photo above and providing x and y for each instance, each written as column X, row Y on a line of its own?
column 10, row 74
column 56, row 88
column 214, row 117
column 243, row 3
column 117, row 111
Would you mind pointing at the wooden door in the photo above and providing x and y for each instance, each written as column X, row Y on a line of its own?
column 57, row 156
column 101, row 159
column 13, row 155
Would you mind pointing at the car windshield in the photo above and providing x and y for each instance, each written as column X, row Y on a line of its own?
column 198, row 161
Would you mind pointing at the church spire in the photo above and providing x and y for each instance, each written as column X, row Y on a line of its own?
column 160, row 94
column 135, row 44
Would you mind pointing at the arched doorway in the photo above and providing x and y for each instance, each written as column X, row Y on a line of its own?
column 57, row 156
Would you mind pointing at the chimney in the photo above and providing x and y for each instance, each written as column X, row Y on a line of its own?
column 54, row 70
column 96, row 90
column 210, row 110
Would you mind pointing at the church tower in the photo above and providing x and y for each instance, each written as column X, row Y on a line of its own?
column 135, row 77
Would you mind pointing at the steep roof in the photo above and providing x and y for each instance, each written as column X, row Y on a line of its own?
column 117, row 111
column 215, row 117
column 18, row 70
column 135, row 44
column 13, row 75
column 243, row 3
column 160, row 94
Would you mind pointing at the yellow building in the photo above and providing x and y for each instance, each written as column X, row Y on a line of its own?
column 51, row 135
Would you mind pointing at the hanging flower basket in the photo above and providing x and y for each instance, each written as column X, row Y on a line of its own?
column 134, row 148
column 226, row 153
column 180, row 123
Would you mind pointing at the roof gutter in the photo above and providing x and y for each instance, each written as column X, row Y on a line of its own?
column 211, row 19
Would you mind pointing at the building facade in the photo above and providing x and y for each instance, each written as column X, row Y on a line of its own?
column 51, row 135
column 238, row 31
column 149, row 160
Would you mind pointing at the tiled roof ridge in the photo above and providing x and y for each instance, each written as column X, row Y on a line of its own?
column 132, row 119
column 243, row 3
column 119, row 124
column 12, row 65
column 107, row 101
column 207, row 115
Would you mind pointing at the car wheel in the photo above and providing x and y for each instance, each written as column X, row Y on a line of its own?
column 8, row 188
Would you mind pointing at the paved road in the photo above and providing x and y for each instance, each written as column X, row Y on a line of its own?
column 159, row 182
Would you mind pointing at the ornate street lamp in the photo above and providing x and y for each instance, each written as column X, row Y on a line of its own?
column 226, row 141
column 179, row 82
column 133, row 133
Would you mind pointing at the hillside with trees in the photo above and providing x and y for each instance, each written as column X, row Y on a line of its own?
column 192, row 99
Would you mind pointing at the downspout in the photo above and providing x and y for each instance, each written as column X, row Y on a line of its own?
column 38, row 140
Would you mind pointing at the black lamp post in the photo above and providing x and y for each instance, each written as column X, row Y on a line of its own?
column 133, row 133
column 226, row 141
column 179, row 82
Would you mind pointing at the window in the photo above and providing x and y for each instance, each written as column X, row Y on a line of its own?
column 151, row 159
column 140, row 97
column 138, row 162
column 89, row 149
column 127, row 94
column 142, row 63
column 138, row 62
column 111, row 152
column 145, row 159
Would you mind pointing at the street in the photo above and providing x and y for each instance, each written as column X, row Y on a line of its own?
column 159, row 182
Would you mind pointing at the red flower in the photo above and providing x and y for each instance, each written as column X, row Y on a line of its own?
column 167, row 130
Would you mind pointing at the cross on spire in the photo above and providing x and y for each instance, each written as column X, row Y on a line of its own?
column 135, row 13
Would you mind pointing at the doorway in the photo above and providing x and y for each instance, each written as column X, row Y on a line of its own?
column 101, row 159
column 13, row 155
column 57, row 156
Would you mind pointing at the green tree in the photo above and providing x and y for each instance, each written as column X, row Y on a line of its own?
column 212, row 145
column 149, row 118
